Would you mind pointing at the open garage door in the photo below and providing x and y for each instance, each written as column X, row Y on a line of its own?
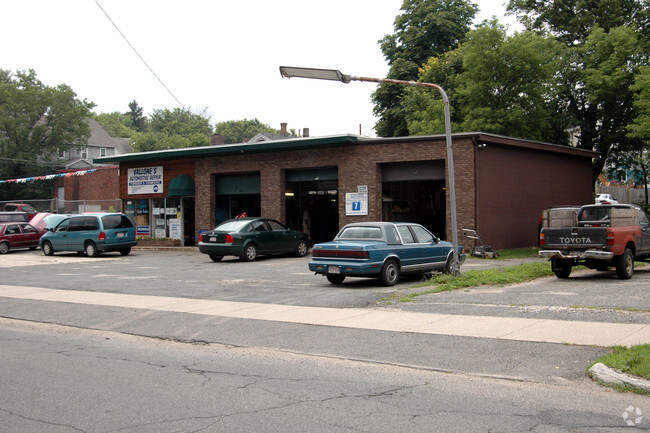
column 415, row 192
column 237, row 194
column 312, row 202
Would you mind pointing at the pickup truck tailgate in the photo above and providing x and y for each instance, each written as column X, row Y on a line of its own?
column 575, row 237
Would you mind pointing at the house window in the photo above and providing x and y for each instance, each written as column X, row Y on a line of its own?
column 84, row 152
column 62, row 154
column 102, row 151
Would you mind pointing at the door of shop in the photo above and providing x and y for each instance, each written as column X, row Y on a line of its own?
column 415, row 192
column 312, row 202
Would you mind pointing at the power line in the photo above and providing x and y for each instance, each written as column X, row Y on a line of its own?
column 138, row 54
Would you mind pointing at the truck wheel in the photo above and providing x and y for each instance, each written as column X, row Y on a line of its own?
column 625, row 265
column 561, row 268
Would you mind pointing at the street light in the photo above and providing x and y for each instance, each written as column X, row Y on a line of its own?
column 335, row 75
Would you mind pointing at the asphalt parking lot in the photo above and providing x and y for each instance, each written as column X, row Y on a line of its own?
column 586, row 296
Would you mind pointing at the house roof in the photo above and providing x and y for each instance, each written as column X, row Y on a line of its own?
column 100, row 138
column 333, row 141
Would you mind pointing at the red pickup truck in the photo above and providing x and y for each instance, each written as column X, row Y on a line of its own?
column 596, row 236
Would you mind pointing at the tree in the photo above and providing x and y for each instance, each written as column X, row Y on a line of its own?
column 180, row 121
column 37, row 122
column 607, row 41
column 116, row 124
column 235, row 131
column 498, row 84
column 171, row 129
column 138, row 120
column 426, row 28
column 639, row 129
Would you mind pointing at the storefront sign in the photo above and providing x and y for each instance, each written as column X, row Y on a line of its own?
column 175, row 228
column 142, row 231
column 356, row 203
column 145, row 180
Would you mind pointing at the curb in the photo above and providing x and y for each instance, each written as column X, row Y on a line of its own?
column 608, row 376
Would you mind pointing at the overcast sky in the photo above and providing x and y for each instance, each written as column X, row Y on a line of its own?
column 214, row 55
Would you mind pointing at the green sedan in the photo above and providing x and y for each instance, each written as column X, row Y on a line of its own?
column 249, row 237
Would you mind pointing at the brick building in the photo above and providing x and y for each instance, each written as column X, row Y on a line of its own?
column 502, row 184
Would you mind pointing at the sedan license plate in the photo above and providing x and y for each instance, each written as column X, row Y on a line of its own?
column 213, row 239
column 333, row 270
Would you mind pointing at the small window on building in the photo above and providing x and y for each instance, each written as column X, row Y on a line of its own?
column 102, row 151
column 83, row 152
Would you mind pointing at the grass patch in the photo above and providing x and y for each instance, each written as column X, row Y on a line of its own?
column 489, row 277
column 634, row 360
column 517, row 253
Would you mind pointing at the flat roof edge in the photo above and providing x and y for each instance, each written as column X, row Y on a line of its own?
column 229, row 149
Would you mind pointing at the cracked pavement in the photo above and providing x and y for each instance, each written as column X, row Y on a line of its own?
column 68, row 367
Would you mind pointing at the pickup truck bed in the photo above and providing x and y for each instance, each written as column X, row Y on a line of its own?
column 598, row 237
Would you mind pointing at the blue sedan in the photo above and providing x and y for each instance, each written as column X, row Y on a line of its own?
column 382, row 250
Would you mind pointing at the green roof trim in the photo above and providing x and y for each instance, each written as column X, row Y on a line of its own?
column 233, row 149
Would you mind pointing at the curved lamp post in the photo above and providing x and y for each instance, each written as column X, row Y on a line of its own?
column 335, row 75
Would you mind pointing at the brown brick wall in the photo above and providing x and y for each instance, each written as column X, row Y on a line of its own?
column 501, row 189
column 515, row 185
column 102, row 184
column 357, row 165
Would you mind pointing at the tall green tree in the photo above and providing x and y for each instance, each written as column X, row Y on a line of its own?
column 138, row 119
column 116, row 124
column 607, row 41
column 37, row 122
column 498, row 83
column 426, row 28
column 171, row 129
column 639, row 129
column 235, row 131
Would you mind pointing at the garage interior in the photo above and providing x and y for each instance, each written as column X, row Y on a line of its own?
column 415, row 192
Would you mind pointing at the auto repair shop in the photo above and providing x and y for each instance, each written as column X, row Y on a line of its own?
column 319, row 184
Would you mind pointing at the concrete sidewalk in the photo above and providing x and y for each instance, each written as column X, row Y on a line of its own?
column 535, row 330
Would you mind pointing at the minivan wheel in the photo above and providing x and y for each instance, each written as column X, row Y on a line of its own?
column 125, row 251
column 47, row 248
column 91, row 249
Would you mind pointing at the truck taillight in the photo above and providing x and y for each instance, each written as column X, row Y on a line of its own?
column 610, row 238
column 541, row 239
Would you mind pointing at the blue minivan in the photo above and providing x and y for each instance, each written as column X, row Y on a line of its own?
column 92, row 234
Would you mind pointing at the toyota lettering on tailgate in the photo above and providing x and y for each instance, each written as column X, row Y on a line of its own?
column 568, row 240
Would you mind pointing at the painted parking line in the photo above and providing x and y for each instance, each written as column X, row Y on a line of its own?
column 506, row 328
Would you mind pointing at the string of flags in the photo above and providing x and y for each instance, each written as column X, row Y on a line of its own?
column 47, row 177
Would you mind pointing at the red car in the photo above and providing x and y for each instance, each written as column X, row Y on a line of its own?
column 16, row 235
column 21, row 207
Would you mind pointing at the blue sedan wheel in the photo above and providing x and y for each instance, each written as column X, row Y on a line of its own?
column 389, row 273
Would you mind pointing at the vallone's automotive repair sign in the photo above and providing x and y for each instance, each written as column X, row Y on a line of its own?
column 145, row 180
